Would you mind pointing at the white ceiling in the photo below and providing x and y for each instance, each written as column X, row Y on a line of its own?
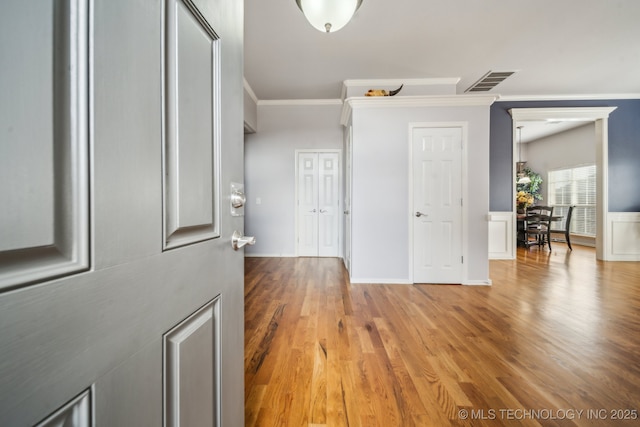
column 534, row 130
column 558, row 47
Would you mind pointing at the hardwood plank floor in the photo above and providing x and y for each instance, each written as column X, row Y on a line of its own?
column 554, row 342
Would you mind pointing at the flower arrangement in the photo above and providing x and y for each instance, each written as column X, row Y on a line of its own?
column 523, row 200
column 533, row 187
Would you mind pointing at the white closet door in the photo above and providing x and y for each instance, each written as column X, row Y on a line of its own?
column 308, row 204
column 328, row 204
column 318, row 204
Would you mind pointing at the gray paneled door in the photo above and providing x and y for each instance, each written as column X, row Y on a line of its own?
column 121, row 297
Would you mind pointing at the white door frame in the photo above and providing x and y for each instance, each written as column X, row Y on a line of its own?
column 318, row 150
column 599, row 115
column 464, row 126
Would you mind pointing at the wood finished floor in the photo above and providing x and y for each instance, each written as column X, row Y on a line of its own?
column 556, row 334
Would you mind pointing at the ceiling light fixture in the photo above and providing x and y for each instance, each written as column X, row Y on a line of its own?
column 522, row 176
column 328, row 16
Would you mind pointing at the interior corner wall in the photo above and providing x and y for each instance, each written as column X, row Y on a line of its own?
column 573, row 148
column 380, row 200
column 270, row 170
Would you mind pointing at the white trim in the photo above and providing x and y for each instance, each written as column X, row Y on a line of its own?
column 583, row 97
column 289, row 102
column 464, row 127
column 412, row 102
column 362, row 281
column 561, row 113
column 254, row 255
column 249, row 90
column 487, row 282
column 600, row 115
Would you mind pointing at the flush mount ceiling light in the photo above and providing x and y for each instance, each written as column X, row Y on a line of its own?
column 328, row 16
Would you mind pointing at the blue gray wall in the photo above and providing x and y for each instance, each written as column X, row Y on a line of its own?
column 624, row 152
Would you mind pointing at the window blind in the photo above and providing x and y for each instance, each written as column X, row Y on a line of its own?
column 575, row 186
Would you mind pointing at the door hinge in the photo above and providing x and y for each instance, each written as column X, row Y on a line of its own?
column 461, row 204
column 462, row 260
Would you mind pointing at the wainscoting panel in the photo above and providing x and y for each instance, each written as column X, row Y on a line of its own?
column 501, row 235
column 44, row 212
column 624, row 229
column 192, row 127
column 191, row 369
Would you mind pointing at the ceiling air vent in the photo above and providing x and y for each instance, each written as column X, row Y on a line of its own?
column 489, row 81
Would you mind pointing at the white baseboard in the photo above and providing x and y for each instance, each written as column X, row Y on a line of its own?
column 254, row 255
column 356, row 280
column 487, row 282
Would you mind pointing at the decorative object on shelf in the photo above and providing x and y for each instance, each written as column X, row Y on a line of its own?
column 523, row 201
column 382, row 92
column 328, row 16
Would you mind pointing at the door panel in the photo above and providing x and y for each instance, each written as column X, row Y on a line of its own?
column 328, row 204
column 307, row 204
column 92, row 165
column 437, row 198
column 44, row 228
column 191, row 370
column 191, row 150
column 76, row 413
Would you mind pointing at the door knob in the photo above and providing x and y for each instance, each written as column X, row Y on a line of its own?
column 313, row 211
column 323, row 210
column 419, row 214
column 238, row 240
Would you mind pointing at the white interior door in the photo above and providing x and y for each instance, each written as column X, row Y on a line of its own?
column 318, row 203
column 308, row 204
column 120, row 295
column 437, row 205
column 347, row 201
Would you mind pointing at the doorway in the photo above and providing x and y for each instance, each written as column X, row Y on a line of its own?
column 599, row 115
column 318, row 203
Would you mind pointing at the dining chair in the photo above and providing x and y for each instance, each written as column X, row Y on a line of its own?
column 566, row 230
column 537, row 224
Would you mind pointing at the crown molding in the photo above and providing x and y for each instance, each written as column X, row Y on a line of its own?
column 284, row 102
column 578, row 97
column 413, row 101
column 561, row 113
